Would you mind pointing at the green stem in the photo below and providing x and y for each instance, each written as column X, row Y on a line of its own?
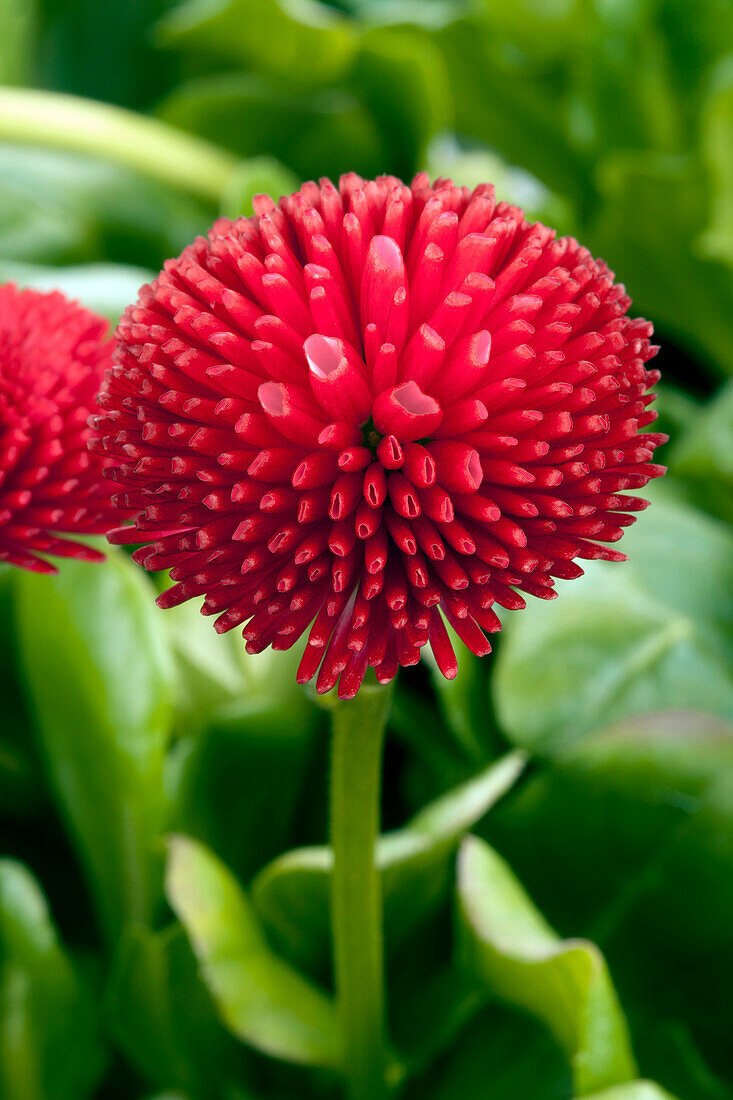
column 145, row 144
column 358, row 739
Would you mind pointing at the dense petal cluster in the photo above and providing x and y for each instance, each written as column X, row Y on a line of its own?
column 374, row 408
column 53, row 354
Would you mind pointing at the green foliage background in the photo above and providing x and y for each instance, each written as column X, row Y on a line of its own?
column 558, row 857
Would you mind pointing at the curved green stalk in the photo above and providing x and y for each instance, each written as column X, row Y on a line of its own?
column 358, row 739
column 145, row 144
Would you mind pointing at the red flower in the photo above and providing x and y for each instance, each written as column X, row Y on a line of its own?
column 52, row 358
column 372, row 409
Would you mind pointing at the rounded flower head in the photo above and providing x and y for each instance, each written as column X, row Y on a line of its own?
column 52, row 358
column 369, row 410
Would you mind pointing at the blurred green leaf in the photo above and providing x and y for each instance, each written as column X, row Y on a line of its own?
column 292, row 894
column 99, row 678
column 669, row 1053
column 648, row 874
column 106, row 289
column 162, row 1017
column 505, row 100
column 252, row 754
column 631, row 638
column 703, row 457
column 49, row 1041
column 505, row 940
column 298, row 41
column 20, row 785
column 474, row 163
column 210, row 668
column 501, row 1053
column 717, row 151
column 462, row 702
column 18, row 21
column 318, row 134
column 74, row 51
column 634, row 1090
column 260, row 175
column 401, row 78
column 259, row 997
column 647, row 222
column 62, row 207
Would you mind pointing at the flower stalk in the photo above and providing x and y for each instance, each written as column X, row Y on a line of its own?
column 145, row 144
column 356, row 900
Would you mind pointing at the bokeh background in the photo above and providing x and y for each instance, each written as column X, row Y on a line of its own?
column 119, row 725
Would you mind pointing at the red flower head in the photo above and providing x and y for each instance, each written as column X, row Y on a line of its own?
column 52, row 358
column 370, row 410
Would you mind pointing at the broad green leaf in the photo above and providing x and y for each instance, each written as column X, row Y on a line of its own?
column 638, row 820
column 635, row 1090
column 703, row 457
column 49, row 1042
column 298, row 41
column 260, row 175
column 259, row 997
column 670, row 1054
column 313, row 134
column 99, row 679
column 104, row 288
column 292, row 894
column 650, row 250
column 162, row 1017
column 501, row 99
column 253, row 753
column 400, row 76
column 216, row 676
column 58, row 207
column 210, row 667
column 717, row 150
column 476, row 164
column 104, row 51
column 17, row 26
column 21, row 788
column 501, row 1053
column 506, row 941
column 631, row 638
column 462, row 702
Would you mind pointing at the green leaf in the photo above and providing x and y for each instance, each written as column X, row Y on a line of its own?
column 462, row 702
column 162, row 1017
column 637, row 819
column 292, row 894
column 298, row 41
column 566, row 984
column 49, row 1042
column 99, row 679
column 470, row 166
column 630, row 638
column 703, row 458
column 717, row 150
column 258, row 176
column 20, row 784
column 17, row 26
column 670, row 1054
column 224, row 781
column 510, row 102
column 313, row 134
column 401, row 77
column 260, row 998
column 650, row 251
column 634, row 1090
column 71, row 208
column 500, row 1050
column 104, row 288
